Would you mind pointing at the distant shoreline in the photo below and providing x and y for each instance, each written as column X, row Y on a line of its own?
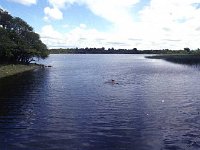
column 187, row 59
column 113, row 51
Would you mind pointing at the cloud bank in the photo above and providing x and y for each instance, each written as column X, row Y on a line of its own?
column 172, row 24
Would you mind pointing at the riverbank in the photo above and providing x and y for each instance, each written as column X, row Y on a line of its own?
column 180, row 59
column 12, row 69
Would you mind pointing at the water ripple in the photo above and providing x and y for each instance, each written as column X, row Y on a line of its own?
column 155, row 105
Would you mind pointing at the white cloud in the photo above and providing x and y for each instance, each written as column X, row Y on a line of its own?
column 172, row 24
column 66, row 26
column 180, row 18
column 25, row 2
column 83, row 26
column 80, row 36
column 50, row 36
column 53, row 13
column 49, row 31
column 115, row 11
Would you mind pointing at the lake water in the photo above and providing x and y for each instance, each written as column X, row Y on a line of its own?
column 75, row 106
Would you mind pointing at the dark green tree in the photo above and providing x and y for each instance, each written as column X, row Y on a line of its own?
column 5, row 19
column 187, row 49
column 18, row 42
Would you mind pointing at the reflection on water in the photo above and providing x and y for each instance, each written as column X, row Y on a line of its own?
column 73, row 106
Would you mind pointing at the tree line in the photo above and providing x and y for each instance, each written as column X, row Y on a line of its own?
column 120, row 51
column 18, row 41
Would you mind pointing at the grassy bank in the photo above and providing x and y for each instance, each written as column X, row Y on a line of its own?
column 12, row 69
column 180, row 59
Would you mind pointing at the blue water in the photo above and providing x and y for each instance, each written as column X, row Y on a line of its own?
column 75, row 106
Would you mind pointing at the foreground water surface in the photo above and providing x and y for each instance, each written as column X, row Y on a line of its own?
column 74, row 106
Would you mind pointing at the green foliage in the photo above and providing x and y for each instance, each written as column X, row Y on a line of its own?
column 18, row 42
column 187, row 49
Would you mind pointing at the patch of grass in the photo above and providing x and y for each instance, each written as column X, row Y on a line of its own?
column 180, row 59
column 12, row 69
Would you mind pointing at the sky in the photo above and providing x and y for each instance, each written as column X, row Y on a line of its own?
column 141, row 24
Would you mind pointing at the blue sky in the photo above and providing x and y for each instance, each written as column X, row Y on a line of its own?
column 145, row 24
